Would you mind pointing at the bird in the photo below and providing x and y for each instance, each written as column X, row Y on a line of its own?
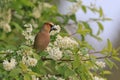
column 42, row 38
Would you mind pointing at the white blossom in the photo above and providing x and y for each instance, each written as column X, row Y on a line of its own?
column 101, row 64
column 28, row 28
column 34, row 77
column 9, row 65
column 24, row 60
column 35, row 25
column 84, row 56
column 28, row 34
column 47, row 77
column 55, row 31
column 6, row 27
column 25, row 52
column 5, row 15
column 75, row 7
column 60, row 78
column 38, row 9
column 31, row 61
column 65, row 42
column 36, row 12
column 68, row 52
column 7, row 51
column 98, row 78
column 54, row 53
column 47, row 5
column 59, row 37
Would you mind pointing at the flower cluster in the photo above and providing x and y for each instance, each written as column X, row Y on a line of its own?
column 48, row 77
column 9, row 65
column 100, row 64
column 56, row 49
column 84, row 55
column 29, row 61
column 28, row 34
column 55, row 31
column 75, row 7
column 65, row 42
column 54, row 53
column 34, row 77
column 25, row 52
column 7, row 51
column 37, row 10
column 5, row 15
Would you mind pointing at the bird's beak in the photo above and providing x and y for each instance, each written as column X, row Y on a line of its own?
column 53, row 28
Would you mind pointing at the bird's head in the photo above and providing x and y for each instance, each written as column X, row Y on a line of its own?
column 49, row 26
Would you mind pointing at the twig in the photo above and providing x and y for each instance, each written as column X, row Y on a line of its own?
column 94, row 52
column 103, row 57
column 72, row 34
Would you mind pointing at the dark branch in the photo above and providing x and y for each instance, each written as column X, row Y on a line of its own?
column 103, row 57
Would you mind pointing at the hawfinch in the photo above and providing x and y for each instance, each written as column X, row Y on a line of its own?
column 42, row 39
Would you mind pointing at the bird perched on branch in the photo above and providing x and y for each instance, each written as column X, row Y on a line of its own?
column 42, row 39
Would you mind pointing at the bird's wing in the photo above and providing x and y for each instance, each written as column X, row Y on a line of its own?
column 41, row 41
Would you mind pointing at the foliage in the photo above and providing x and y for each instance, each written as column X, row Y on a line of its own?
column 66, row 58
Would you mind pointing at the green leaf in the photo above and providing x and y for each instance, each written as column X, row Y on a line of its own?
column 36, row 56
column 109, row 45
column 26, row 3
column 100, row 26
column 52, row 78
column 84, row 8
column 100, row 12
column 73, row 0
column 68, row 73
column 87, row 26
column 18, row 27
column 79, row 28
column 106, row 72
column 76, row 61
column 15, row 72
column 33, row 73
column 61, row 69
column 115, row 66
column 27, row 77
column 82, row 31
column 114, row 52
column 109, row 63
column 73, row 17
column 108, row 19
column 96, row 37
column 116, row 58
column 23, row 66
column 83, row 50
column 39, row 68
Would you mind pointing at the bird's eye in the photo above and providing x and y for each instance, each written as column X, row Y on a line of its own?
column 51, row 25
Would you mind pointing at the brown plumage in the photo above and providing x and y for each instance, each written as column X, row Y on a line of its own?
column 42, row 39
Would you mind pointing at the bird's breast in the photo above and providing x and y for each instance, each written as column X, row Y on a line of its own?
column 41, row 41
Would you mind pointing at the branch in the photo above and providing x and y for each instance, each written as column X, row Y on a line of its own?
column 66, row 60
column 94, row 52
column 72, row 34
column 103, row 57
